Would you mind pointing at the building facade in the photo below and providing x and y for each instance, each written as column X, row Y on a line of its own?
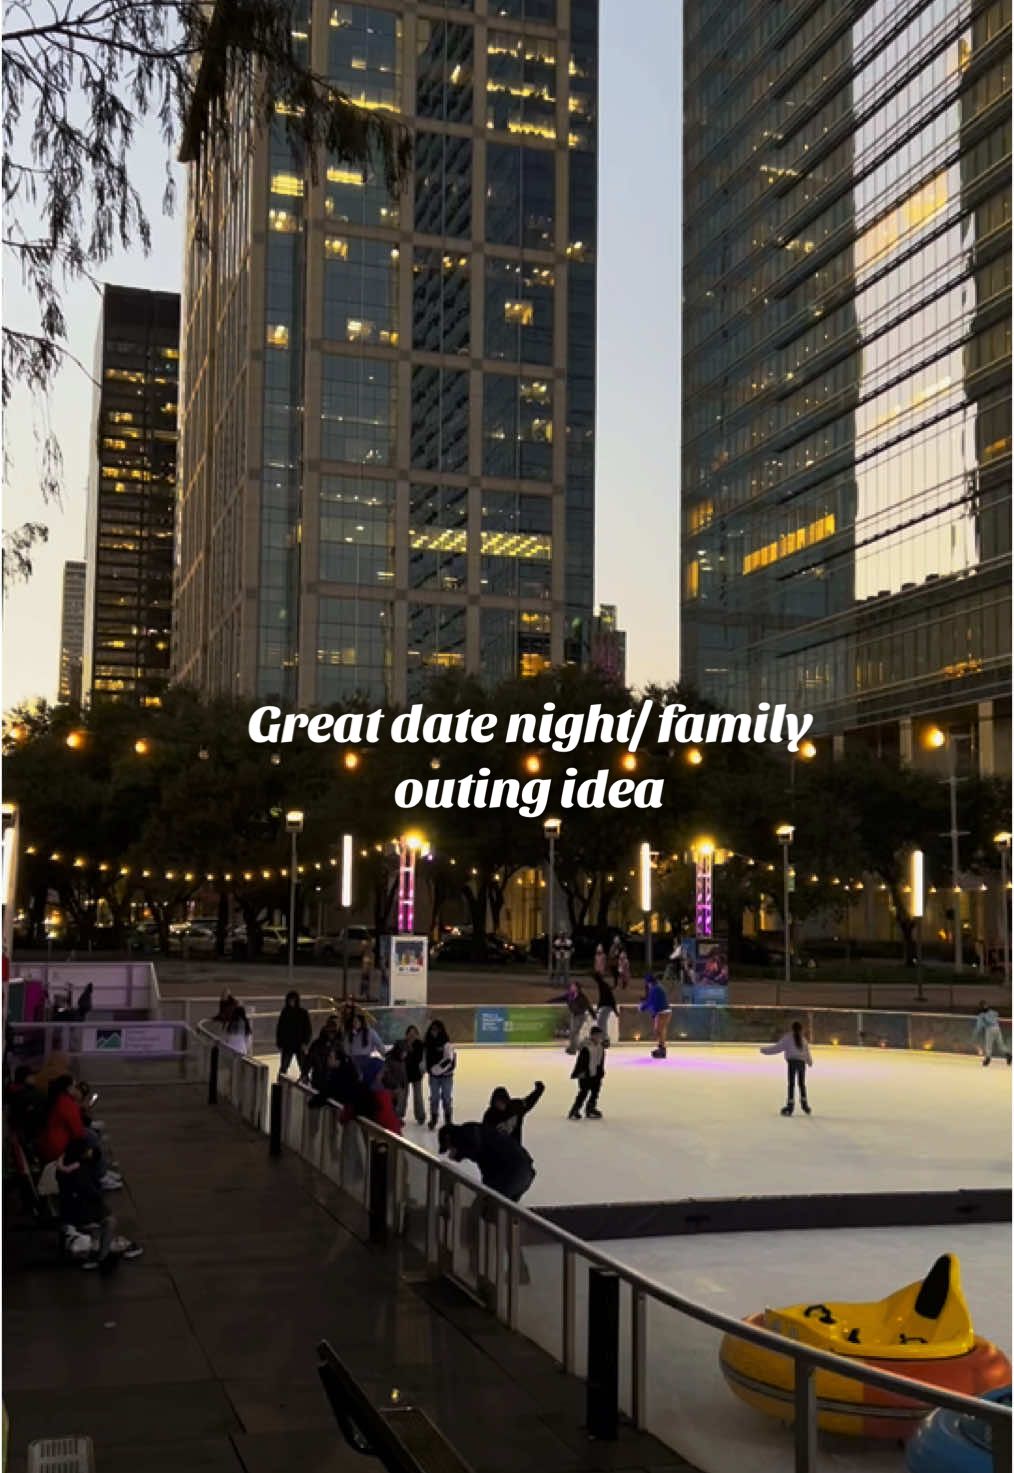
column 131, row 498
column 72, row 622
column 846, row 462
column 388, row 405
column 607, row 650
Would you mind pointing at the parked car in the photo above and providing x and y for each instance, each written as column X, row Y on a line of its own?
column 330, row 947
column 494, row 950
column 274, row 942
column 192, row 938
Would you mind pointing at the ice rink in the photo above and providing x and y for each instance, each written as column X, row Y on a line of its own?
column 705, row 1123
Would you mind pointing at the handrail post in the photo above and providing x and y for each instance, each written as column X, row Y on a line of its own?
column 275, row 1118
column 213, row 1076
column 378, row 1192
column 568, row 1311
column 1001, row 1440
column 514, row 1271
column 638, row 1357
column 603, row 1376
column 432, row 1217
column 805, row 1420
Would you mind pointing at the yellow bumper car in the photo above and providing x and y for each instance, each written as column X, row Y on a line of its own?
column 923, row 1332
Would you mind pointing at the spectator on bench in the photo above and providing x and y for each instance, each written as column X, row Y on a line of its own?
column 91, row 1230
column 65, row 1123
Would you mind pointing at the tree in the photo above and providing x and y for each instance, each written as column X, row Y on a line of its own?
column 82, row 78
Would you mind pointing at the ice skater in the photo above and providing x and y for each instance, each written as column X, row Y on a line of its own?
column 796, row 1049
column 441, row 1058
column 987, row 1027
column 506, row 1114
column 504, row 1164
column 606, row 1007
column 579, row 1009
column 656, row 1003
column 589, row 1071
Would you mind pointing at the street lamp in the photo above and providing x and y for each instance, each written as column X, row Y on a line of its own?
column 1002, row 842
column 786, row 832
column 933, row 739
column 345, row 901
column 293, row 827
column 645, row 861
column 551, row 828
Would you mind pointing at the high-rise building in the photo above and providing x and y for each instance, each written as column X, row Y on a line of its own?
column 72, row 622
column 129, row 538
column 388, row 401
column 607, row 646
column 846, row 468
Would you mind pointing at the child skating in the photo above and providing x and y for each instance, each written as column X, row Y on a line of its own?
column 796, row 1049
column 656, row 1004
column 589, row 1071
column 987, row 1027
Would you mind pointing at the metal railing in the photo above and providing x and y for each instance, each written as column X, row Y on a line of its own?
column 476, row 1237
column 241, row 1081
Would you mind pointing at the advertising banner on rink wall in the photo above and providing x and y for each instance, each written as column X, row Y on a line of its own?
column 519, row 1024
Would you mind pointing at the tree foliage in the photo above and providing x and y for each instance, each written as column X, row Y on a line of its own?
column 83, row 78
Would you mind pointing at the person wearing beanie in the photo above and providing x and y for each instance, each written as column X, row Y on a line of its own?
column 507, row 1114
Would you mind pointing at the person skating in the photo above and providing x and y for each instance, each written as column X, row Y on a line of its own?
column 293, row 1034
column 366, row 961
column 987, row 1027
column 656, row 1005
column 589, row 1071
column 579, row 1008
column 506, row 1113
column 796, row 1049
column 606, row 1007
column 441, row 1060
column 504, row 1164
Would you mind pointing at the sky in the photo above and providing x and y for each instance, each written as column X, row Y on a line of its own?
column 638, row 367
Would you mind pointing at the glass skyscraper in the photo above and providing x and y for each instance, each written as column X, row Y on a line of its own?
column 846, row 463
column 131, row 498
column 388, row 403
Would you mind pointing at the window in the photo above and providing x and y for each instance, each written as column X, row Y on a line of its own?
column 436, row 641
column 516, row 543
column 364, row 46
column 357, row 410
column 358, row 197
column 517, row 427
column 520, row 196
column 438, row 537
column 519, row 311
column 521, row 84
column 443, row 185
column 439, row 419
column 354, row 638
column 444, row 71
column 513, row 643
column 357, row 520
column 538, row 10
column 440, row 302
column 360, row 291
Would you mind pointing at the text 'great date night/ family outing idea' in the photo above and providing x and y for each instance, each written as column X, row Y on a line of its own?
column 559, row 731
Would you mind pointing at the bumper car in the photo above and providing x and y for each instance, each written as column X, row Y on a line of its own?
column 950, row 1443
column 923, row 1331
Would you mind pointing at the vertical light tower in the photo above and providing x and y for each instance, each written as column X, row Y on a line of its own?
column 551, row 828
column 645, row 877
column 293, row 827
column 785, row 833
column 704, row 861
column 917, row 904
column 409, row 848
column 345, row 902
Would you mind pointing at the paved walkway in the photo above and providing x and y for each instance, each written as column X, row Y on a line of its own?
column 199, row 1357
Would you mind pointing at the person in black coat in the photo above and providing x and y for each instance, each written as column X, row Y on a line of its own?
column 506, row 1114
column 415, row 1068
column 504, row 1165
column 293, row 1033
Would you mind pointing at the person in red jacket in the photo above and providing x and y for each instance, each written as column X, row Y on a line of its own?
column 368, row 1098
column 65, row 1123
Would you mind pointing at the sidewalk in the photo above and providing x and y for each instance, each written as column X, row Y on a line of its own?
column 199, row 1357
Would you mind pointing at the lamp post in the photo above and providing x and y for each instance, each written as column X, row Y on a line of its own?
column 785, row 833
column 551, row 828
column 645, row 877
column 916, row 883
column 293, row 827
column 11, row 856
column 1002, row 842
column 345, row 901
column 934, row 739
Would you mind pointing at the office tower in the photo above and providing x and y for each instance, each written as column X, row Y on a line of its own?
column 388, row 437
column 607, row 650
column 72, row 621
column 129, row 538
column 846, row 375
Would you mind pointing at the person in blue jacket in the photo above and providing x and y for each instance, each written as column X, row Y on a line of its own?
column 656, row 1004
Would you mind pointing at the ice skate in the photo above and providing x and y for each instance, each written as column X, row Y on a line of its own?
column 593, row 1114
column 574, row 1115
column 806, row 1109
column 786, row 1109
column 660, row 1052
column 985, row 1062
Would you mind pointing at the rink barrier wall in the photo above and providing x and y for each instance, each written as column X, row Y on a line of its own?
column 605, row 1221
column 533, row 1276
column 691, row 1023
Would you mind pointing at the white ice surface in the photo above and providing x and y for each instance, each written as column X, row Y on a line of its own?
column 705, row 1123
